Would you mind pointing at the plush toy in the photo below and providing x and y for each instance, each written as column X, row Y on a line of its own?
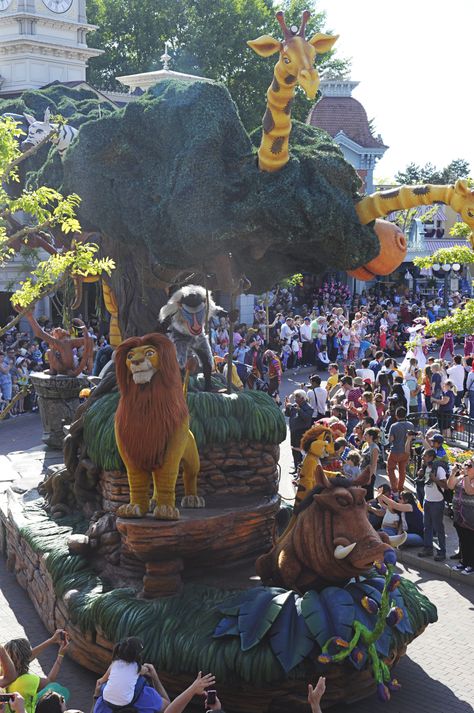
column 152, row 428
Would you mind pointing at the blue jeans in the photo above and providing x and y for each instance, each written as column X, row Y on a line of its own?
column 471, row 403
column 433, row 520
column 413, row 540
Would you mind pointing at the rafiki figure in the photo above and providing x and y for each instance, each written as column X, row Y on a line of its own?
column 184, row 316
column 447, row 346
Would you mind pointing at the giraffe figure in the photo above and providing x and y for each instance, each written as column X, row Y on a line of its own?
column 295, row 66
column 459, row 196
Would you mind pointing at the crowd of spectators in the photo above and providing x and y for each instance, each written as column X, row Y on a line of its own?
column 128, row 686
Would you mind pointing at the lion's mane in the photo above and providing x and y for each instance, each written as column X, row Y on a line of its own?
column 148, row 414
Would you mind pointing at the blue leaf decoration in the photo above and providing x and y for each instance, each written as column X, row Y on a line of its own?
column 328, row 613
column 226, row 627
column 404, row 626
column 290, row 638
column 369, row 620
column 231, row 605
column 256, row 616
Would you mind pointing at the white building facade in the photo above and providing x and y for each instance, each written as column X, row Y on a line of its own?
column 42, row 41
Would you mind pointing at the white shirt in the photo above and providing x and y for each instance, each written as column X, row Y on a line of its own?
column 372, row 412
column 432, row 492
column 406, row 391
column 120, row 688
column 317, row 399
column 305, row 332
column 286, row 333
column 366, row 374
column 456, row 374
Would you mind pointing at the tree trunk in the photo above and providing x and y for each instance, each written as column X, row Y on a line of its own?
column 137, row 290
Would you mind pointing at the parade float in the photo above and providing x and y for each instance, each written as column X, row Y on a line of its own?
column 168, row 498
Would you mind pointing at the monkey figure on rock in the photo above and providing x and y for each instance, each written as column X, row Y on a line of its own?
column 61, row 345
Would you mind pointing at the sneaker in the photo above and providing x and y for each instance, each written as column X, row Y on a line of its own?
column 425, row 553
column 468, row 570
column 440, row 557
column 457, row 567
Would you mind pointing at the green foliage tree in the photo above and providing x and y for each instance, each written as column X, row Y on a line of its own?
column 458, row 168
column 47, row 210
column 461, row 321
column 208, row 39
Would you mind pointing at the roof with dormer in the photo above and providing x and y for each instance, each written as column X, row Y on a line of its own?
column 338, row 112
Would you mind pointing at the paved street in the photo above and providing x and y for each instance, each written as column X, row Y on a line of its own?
column 436, row 675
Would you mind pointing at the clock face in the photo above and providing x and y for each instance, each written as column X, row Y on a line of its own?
column 4, row 4
column 58, row 5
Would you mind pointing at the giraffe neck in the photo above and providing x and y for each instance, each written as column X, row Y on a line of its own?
column 273, row 152
column 379, row 204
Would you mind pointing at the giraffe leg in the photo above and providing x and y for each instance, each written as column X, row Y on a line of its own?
column 139, row 481
column 190, row 474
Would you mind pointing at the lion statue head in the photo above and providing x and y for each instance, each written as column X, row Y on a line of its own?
column 152, row 404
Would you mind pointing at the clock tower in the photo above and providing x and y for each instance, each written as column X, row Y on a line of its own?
column 42, row 41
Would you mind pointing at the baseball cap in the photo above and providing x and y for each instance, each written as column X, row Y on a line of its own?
column 438, row 438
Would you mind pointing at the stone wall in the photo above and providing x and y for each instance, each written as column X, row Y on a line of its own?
column 232, row 468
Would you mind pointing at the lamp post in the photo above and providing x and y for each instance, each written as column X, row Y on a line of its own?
column 445, row 271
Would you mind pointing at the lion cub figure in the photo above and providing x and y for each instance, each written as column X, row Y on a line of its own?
column 152, row 428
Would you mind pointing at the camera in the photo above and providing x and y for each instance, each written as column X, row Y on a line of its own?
column 413, row 433
column 6, row 698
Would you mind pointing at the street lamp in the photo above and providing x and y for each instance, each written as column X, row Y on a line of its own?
column 445, row 271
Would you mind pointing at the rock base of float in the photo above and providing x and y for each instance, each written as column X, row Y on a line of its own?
column 58, row 400
column 232, row 468
column 93, row 650
column 202, row 539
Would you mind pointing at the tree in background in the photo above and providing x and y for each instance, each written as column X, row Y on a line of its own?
column 35, row 217
column 430, row 174
column 208, row 38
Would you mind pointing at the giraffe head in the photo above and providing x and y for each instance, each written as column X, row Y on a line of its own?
column 463, row 201
column 297, row 54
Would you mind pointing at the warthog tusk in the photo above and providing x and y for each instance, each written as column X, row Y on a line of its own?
column 340, row 552
column 397, row 540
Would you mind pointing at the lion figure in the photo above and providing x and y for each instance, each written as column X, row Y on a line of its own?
column 152, row 428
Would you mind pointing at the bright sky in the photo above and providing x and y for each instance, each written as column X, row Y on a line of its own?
column 414, row 62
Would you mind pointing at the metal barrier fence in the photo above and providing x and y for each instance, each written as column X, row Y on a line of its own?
column 460, row 433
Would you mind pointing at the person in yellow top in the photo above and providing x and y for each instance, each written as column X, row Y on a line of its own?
column 333, row 378
column 27, row 684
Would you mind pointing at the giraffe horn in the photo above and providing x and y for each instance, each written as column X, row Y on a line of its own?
column 304, row 21
column 281, row 21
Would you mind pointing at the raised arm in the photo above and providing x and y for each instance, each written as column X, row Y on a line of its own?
column 55, row 639
column 393, row 505
column 7, row 668
column 197, row 688
column 53, row 674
